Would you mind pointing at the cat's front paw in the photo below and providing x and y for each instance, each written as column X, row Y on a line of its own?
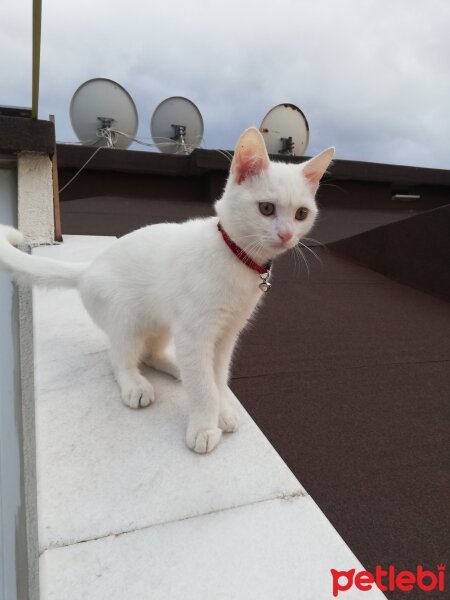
column 138, row 394
column 203, row 440
column 228, row 420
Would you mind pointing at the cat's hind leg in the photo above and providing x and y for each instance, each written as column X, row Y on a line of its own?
column 126, row 349
column 156, row 356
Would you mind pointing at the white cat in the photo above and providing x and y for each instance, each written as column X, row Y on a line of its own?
column 198, row 282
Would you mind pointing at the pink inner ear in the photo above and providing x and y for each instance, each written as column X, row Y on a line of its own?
column 248, row 165
column 315, row 168
column 313, row 177
column 250, row 157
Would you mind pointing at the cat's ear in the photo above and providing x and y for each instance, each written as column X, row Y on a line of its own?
column 250, row 155
column 315, row 168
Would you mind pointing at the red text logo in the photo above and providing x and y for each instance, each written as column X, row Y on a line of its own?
column 389, row 579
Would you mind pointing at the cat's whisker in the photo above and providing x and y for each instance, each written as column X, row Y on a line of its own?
column 250, row 236
column 311, row 251
column 298, row 260
column 310, row 239
column 225, row 154
column 298, row 249
column 329, row 184
column 297, row 264
column 253, row 247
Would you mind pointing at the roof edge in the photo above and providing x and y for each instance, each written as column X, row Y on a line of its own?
column 202, row 161
column 19, row 134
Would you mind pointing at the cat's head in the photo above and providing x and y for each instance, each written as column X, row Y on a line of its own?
column 267, row 207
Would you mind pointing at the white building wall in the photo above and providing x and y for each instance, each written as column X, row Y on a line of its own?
column 26, row 202
column 13, row 581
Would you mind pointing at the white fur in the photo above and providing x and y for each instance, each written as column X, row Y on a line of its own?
column 40, row 270
column 182, row 281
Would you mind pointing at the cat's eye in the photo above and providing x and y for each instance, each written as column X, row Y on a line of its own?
column 301, row 214
column 266, row 208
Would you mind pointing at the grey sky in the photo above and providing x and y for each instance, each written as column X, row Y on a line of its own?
column 372, row 76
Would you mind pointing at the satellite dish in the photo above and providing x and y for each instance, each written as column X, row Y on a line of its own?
column 285, row 130
column 176, row 126
column 103, row 113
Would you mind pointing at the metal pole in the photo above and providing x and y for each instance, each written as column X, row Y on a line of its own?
column 37, row 14
column 56, row 205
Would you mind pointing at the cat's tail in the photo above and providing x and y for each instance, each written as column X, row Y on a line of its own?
column 35, row 269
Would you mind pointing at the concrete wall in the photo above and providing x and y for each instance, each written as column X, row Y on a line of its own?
column 26, row 202
column 11, row 501
column 18, row 522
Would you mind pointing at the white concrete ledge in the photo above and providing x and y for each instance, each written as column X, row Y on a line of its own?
column 127, row 512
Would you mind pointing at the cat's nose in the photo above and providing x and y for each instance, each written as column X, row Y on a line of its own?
column 285, row 235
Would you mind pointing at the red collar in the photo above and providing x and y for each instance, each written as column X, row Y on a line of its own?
column 242, row 256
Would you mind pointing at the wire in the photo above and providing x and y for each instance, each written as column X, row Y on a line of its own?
column 79, row 170
column 110, row 135
column 170, row 142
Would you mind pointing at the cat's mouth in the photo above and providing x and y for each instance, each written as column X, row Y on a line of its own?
column 281, row 246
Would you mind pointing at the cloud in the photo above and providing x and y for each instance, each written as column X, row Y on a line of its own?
column 370, row 75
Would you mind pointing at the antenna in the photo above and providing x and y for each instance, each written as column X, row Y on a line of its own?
column 176, row 126
column 103, row 113
column 285, row 130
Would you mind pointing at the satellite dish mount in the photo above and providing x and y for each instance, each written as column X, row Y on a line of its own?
column 287, row 145
column 180, row 136
column 106, row 132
